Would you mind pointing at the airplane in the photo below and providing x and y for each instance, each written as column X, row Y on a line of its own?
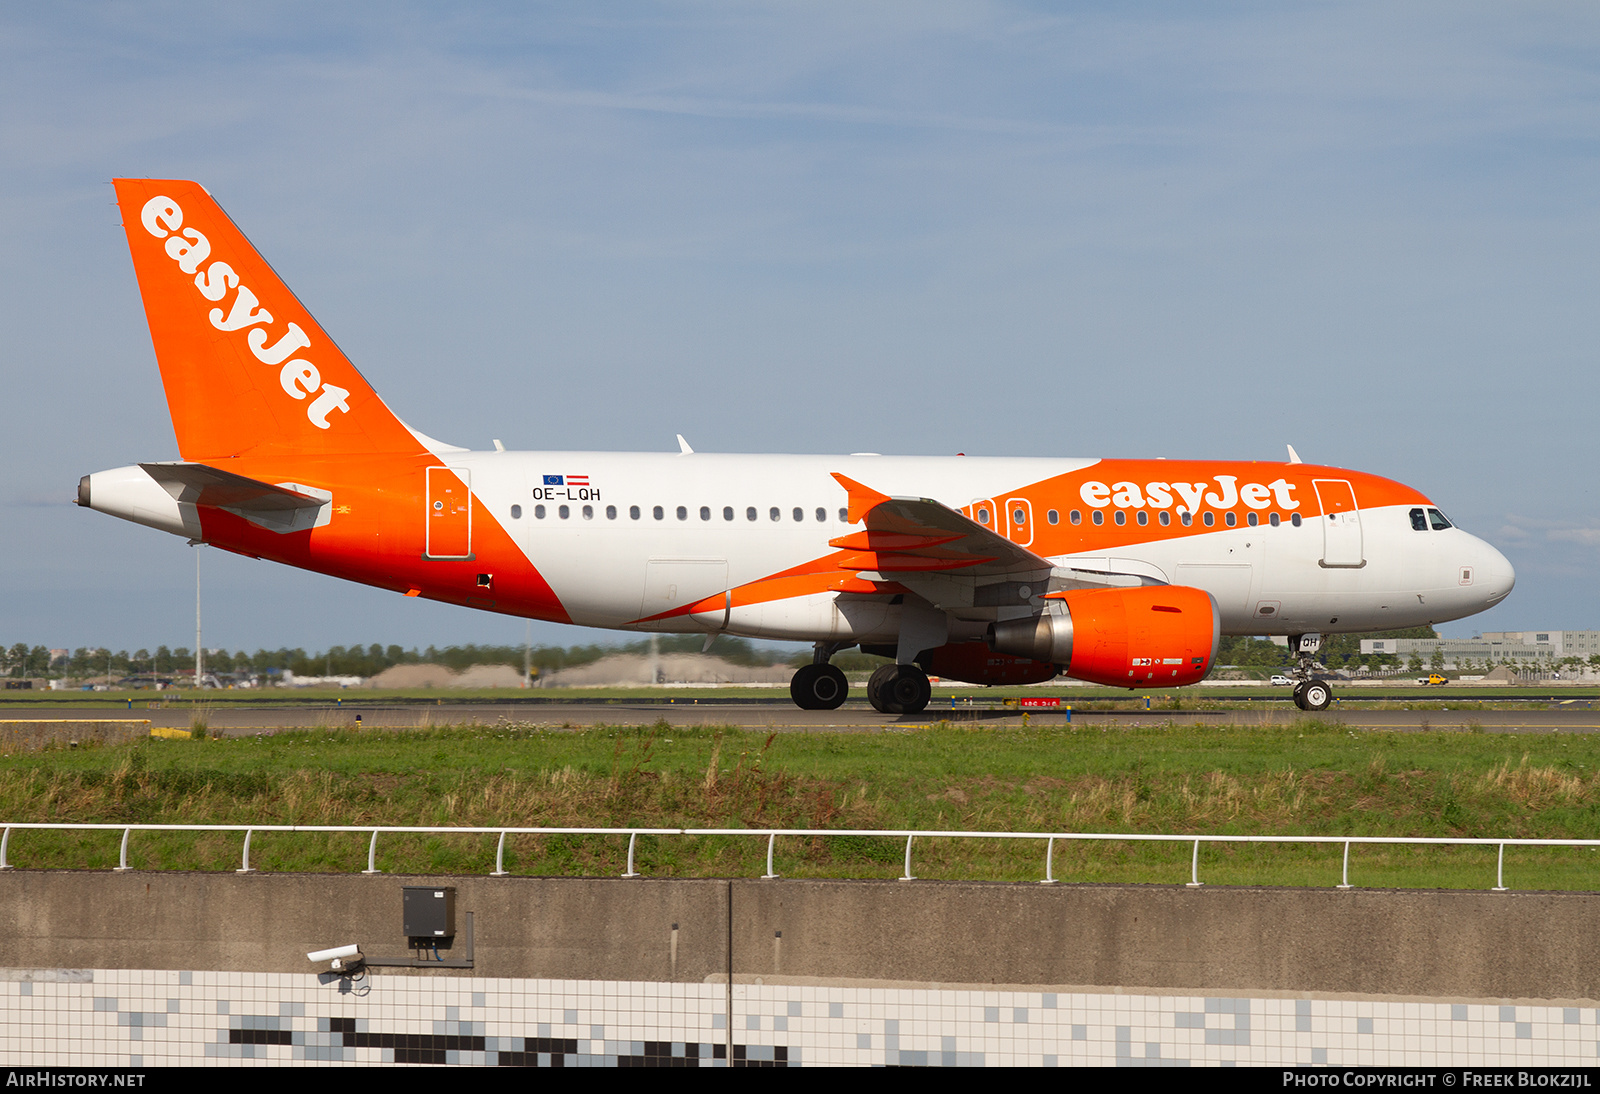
column 1120, row 572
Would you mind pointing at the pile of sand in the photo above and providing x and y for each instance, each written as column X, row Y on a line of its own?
column 489, row 676
column 633, row 670
column 415, row 676
column 618, row 670
column 437, row 676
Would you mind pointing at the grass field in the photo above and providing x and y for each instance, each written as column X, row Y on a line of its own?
column 1299, row 778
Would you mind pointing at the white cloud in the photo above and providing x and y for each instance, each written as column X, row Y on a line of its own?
column 1589, row 537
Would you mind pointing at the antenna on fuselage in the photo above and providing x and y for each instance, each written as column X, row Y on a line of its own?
column 1294, row 457
column 683, row 447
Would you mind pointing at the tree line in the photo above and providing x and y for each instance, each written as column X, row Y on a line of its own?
column 1339, row 651
column 22, row 660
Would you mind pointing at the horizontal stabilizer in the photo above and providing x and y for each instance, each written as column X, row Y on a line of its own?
column 280, row 508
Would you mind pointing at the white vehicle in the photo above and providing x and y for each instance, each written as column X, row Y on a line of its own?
column 1123, row 572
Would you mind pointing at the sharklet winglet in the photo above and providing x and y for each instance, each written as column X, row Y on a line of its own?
column 863, row 499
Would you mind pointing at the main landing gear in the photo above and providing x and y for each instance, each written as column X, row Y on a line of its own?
column 1309, row 695
column 819, row 685
column 899, row 689
column 893, row 689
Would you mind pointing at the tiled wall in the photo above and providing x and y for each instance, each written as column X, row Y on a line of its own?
column 97, row 1017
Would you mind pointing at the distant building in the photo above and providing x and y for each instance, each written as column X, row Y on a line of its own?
column 1527, row 650
column 1584, row 644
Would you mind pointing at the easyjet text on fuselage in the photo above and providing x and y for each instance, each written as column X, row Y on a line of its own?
column 1219, row 492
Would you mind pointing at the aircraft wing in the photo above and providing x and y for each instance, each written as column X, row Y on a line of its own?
column 907, row 536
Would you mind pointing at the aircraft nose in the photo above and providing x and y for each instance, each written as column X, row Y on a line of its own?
column 1494, row 578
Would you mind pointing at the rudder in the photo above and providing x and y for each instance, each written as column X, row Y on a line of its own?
column 246, row 368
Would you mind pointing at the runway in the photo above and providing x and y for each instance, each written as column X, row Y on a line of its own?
column 777, row 715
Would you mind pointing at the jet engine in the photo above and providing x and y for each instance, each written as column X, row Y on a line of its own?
column 1145, row 637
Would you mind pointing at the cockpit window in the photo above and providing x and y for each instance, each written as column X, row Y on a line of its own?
column 1419, row 521
column 1439, row 521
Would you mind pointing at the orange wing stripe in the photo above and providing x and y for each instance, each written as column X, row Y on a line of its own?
column 888, row 541
column 893, row 563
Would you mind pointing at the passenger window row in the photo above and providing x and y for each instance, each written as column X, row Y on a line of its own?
column 1419, row 520
column 1208, row 519
column 774, row 514
column 1019, row 516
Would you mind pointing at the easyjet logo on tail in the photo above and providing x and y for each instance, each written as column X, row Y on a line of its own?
column 298, row 377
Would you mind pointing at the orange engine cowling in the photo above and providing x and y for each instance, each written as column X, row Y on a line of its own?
column 976, row 663
column 1146, row 637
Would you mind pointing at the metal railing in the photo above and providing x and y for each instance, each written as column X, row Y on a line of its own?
column 1050, row 839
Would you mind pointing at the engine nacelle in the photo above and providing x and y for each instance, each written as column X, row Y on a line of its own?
column 1146, row 637
column 976, row 663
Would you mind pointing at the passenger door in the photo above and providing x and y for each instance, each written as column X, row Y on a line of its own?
column 1341, row 523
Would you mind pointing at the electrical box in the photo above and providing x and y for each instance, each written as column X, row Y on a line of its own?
column 429, row 911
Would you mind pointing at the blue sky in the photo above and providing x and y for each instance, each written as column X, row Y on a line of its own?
column 1368, row 230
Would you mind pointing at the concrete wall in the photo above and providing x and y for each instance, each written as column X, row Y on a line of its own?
column 32, row 734
column 1211, row 940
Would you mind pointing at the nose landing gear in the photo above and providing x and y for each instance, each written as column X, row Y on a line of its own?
column 1309, row 695
column 1312, row 695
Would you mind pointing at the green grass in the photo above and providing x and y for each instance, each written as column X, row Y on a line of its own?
column 1298, row 778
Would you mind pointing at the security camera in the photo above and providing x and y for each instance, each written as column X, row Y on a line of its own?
column 340, row 958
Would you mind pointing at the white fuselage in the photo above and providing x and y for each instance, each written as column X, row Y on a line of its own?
column 613, row 569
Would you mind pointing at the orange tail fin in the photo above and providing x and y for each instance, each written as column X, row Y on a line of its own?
column 247, row 370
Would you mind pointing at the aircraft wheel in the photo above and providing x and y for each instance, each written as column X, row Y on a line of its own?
column 818, row 687
column 831, row 688
column 909, row 691
column 877, row 688
column 800, row 687
column 1299, row 695
column 1317, row 696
